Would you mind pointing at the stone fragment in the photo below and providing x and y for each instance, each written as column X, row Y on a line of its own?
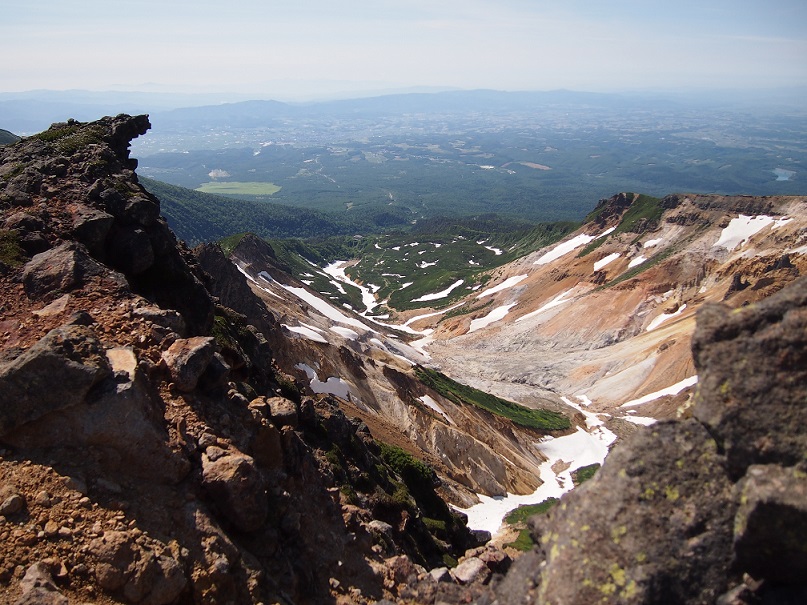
column 472, row 569
column 11, row 505
column 660, row 509
column 130, row 250
column 440, row 574
column 38, row 587
column 187, row 359
column 236, row 486
column 267, row 447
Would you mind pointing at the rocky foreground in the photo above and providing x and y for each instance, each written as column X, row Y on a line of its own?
column 151, row 451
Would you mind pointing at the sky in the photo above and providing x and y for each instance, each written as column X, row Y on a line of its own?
column 301, row 48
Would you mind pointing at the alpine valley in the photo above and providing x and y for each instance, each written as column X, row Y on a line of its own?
column 374, row 418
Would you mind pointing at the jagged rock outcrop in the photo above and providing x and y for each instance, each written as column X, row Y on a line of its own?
column 704, row 510
column 150, row 451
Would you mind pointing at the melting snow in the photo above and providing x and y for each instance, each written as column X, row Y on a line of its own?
column 495, row 251
column 425, row 264
column 307, row 332
column 636, row 261
column 672, row 390
column 508, row 283
column 558, row 300
column 439, row 295
column 741, row 229
column 326, row 309
column 580, row 449
column 640, row 420
column 652, row 242
column 569, row 245
column 429, row 402
column 333, row 386
column 495, row 315
column 346, row 332
column 664, row 317
column 604, row 261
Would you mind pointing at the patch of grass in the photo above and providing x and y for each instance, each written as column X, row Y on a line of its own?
column 11, row 253
column 525, row 511
column 523, row 542
column 543, row 420
column 584, row 473
column 239, row 188
column 407, row 466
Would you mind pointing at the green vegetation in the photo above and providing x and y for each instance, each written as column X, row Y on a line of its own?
column 584, row 473
column 644, row 211
column 71, row 136
column 518, row 518
column 11, row 253
column 239, row 188
column 542, row 420
column 523, row 542
column 410, row 469
column 525, row 511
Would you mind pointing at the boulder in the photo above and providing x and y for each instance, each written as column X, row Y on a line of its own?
column 752, row 368
column 284, row 412
column 58, row 270
column 187, row 359
column 56, row 373
column 91, row 227
column 473, row 569
column 654, row 524
column 236, row 486
column 770, row 529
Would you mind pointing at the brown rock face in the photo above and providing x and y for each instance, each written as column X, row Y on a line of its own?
column 56, row 373
column 187, row 359
column 752, row 393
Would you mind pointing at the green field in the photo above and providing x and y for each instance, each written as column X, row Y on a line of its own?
column 239, row 188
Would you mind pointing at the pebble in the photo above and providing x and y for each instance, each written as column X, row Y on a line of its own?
column 43, row 498
column 12, row 505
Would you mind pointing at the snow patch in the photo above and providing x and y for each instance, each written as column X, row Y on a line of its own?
column 439, row 295
column 306, row 332
column 431, row 403
column 642, row 420
column 671, row 390
column 652, row 242
column 345, row 332
column 741, row 229
column 580, row 449
column 569, row 245
column 636, row 262
column 664, row 317
column 333, row 386
column 508, row 283
column 605, row 261
column 558, row 300
column 495, row 315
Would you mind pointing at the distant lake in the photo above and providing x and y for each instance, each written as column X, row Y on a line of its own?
column 783, row 175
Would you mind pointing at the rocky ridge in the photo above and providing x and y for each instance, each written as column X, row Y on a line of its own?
column 151, row 451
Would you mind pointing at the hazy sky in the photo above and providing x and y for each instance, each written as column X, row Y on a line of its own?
column 270, row 46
